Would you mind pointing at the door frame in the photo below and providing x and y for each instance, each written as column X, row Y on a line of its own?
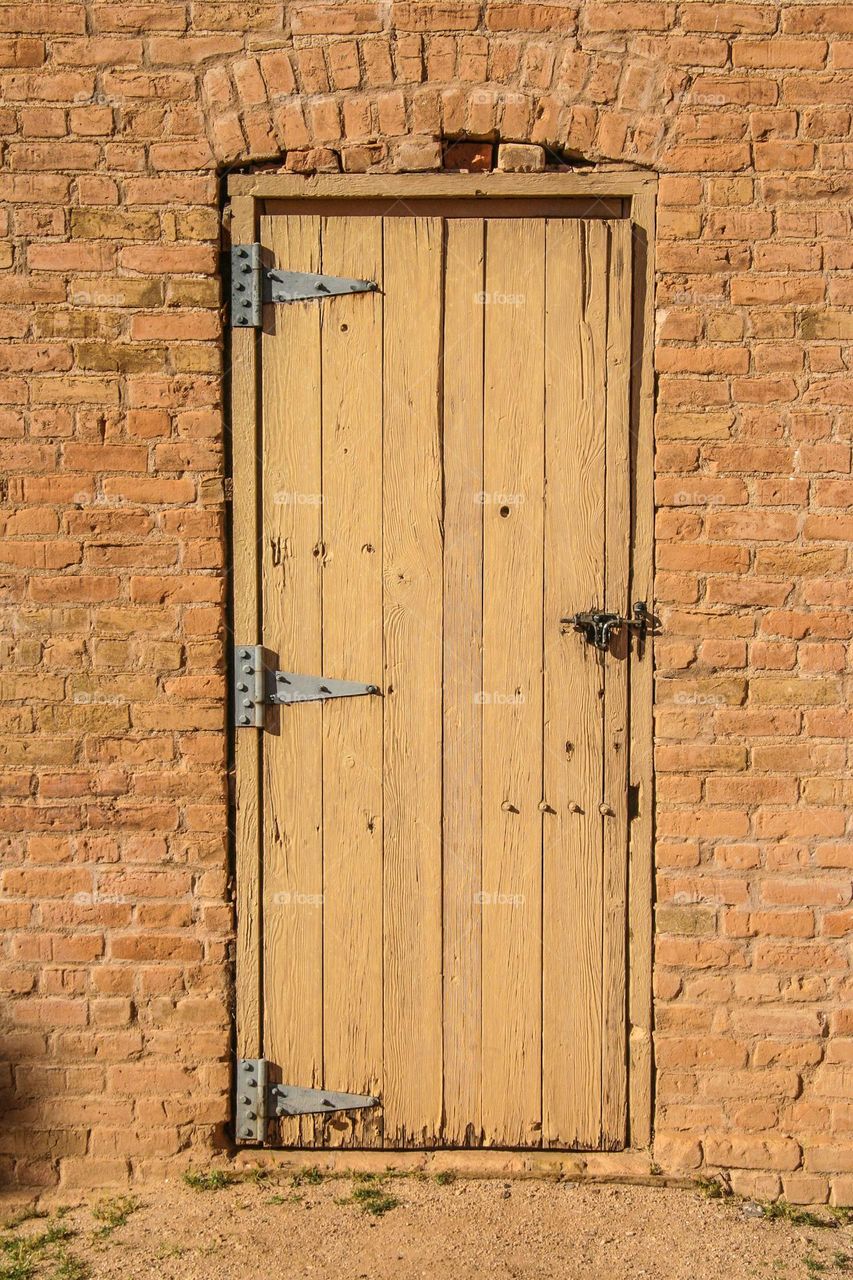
column 636, row 190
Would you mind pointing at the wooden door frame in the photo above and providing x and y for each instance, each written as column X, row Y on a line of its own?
column 637, row 190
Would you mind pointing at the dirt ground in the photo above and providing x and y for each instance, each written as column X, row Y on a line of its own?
column 344, row 1226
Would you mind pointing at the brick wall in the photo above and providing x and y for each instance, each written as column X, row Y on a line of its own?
column 117, row 120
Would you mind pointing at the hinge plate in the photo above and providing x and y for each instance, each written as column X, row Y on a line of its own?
column 253, row 284
column 258, row 685
column 258, row 1102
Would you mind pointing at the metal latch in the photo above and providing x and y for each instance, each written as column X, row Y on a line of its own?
column 258, row 685
column 258, row 1101
column 598, row 626
column 253, row 284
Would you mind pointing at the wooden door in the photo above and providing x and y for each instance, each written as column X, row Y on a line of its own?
column 444, row 478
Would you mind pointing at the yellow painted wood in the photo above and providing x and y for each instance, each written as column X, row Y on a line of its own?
column 352, row 650
column 574, row 683
column 291, row 559
column 616, row 713
column 512, row 681
column 640, row 862
column 463, row 678
column 358, row 186
column 247, row 746
column 412, row 555
column 502, row 1021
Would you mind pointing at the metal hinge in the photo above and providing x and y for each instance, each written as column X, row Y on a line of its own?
column 258, row 685
column 253, row 284
column 258, row 1101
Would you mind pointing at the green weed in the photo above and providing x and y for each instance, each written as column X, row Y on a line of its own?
column 113, row 1212
column 781, row 1210
column 208, row 1179
column 24, row 1215
column 374, row 1199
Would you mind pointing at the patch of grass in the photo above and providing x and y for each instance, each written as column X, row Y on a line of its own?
column 814, row 1266
column 259, row 1175
column 24, row 1215
column 374, row 1199
column 782, row 1210
column 842, row 1261
column 713, row 1188
column 21, row 1268
column 445, row 1177
column 171, row 1251
column 69, row 1268
column 207, row 1179
column 311, row 1177
column 20, row 1254
column 113, row 1212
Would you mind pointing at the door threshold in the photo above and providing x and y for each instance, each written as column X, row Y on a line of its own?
column 565, row 1166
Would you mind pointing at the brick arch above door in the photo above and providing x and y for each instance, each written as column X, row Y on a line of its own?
column 368, row 95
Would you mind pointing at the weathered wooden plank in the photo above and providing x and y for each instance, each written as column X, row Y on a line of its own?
column 616, row 715
column 640, row 862
column 292, row 630
column 357, row 186
column 463, row 678
column 352, row 650
column 245, row 579
column 412, row 554
column 574, row 684
column 512, row 681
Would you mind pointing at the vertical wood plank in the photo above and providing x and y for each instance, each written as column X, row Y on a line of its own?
column 574, row 683
column 641, row 832
column 463, row 678
column 412, row 553
column 245, row 577
column 352, row 650
column 292, row 609
column 512, row 681
column 616, row 726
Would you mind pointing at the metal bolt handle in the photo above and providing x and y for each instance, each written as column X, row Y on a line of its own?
column 598, row 626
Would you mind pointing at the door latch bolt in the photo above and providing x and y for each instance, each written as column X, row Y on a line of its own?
column 598, row 626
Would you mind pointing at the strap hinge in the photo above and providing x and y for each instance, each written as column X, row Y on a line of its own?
column 258, row 1101
column 253, row 284
column 258, row 685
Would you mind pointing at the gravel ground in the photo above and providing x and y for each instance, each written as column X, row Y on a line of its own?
column 401, row 1227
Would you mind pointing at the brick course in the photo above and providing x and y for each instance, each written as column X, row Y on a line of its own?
column 118, row 122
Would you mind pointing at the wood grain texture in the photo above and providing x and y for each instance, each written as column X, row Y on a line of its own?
column 292, row 611
column 641, row 829
column 244, row 576
column 512, row 681
column 574, row 684
column 504, row 1021
column 358, row 186
column 352, row 650
column 616, row 726
column 463, row 679
column 412, row 551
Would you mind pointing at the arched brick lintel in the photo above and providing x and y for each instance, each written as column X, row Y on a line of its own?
column 275, row 105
